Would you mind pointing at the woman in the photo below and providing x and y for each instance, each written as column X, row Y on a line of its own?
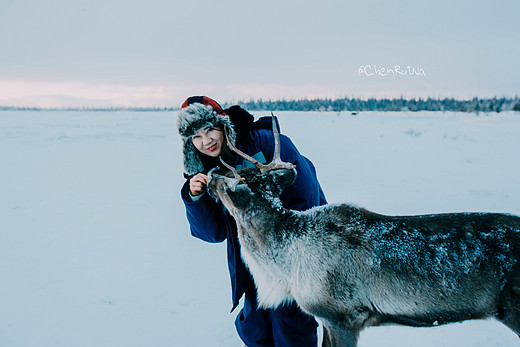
column 201, row 124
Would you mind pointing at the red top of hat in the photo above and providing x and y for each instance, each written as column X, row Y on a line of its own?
column 205, row 101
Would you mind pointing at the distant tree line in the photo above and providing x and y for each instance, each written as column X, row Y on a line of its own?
column 86, row 108
column 476, row 105
column 356, row 105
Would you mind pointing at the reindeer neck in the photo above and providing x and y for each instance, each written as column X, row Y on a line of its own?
column 266, row 212
column 261, row 227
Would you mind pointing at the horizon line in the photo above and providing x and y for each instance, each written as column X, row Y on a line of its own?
column 514, row 103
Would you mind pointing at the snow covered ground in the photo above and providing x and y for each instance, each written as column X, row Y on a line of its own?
column 95, row 248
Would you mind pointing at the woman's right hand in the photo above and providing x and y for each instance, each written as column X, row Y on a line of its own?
column 197, row 184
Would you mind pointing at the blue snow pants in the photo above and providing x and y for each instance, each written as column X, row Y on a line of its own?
column 285, row 326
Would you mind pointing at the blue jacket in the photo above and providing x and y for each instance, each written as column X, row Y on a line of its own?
column 210, row 221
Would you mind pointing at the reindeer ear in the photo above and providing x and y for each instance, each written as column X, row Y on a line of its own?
column 282, row 178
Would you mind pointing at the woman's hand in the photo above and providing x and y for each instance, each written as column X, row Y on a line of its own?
column 197, row 184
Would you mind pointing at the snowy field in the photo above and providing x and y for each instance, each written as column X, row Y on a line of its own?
column 95, row 249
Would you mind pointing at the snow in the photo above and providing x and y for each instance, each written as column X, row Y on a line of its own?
column 95, row 249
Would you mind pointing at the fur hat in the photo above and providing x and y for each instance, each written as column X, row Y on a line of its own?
column 196, row 113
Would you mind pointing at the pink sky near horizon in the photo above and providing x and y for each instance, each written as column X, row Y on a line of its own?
column 80, row 94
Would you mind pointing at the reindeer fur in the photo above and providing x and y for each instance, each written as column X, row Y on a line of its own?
column 353, row 268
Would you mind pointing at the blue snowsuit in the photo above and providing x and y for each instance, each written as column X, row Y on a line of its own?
column 286, row 325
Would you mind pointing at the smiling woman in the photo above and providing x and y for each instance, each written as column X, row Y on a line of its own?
column 209, row 141
column 201, row 122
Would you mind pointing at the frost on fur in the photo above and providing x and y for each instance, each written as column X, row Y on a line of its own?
column 354, row 268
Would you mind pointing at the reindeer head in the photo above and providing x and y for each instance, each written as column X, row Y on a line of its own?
column 249, row 187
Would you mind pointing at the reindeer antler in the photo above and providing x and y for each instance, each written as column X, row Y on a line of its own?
column 231, row 168
column 276, row 163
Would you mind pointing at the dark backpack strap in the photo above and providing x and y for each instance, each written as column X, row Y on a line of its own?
column 266, row 122
column 242, row 121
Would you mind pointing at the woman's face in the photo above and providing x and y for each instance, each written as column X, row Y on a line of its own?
column 209, row 141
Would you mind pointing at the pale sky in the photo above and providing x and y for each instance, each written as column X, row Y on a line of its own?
column 158, row 52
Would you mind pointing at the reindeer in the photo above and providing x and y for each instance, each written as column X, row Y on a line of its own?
column 353, row 268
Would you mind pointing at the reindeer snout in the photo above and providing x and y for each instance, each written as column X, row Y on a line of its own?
column 210, row 174
column 219, row 182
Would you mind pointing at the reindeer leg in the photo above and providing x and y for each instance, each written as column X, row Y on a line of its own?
column 509, row 313
column 335, row 335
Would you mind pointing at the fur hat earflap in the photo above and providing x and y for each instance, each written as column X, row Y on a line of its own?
column 192, row 118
